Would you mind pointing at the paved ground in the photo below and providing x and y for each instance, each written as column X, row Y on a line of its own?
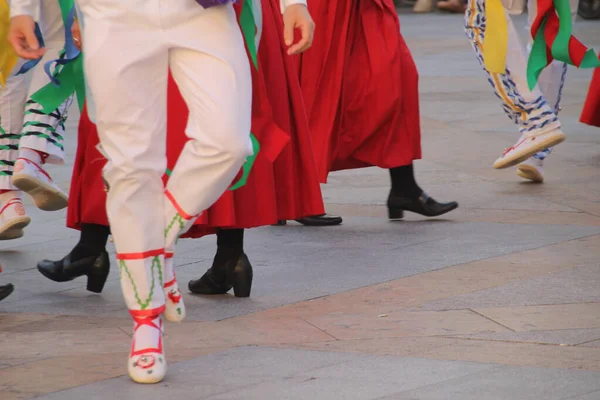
column 499, row 301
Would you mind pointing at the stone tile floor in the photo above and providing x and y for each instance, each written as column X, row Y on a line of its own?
column 499, row 300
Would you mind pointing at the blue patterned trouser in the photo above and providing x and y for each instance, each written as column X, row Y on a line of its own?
column 534, row 112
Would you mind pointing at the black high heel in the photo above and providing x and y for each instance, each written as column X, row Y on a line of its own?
column 242, row 277
column 423, row 205
column 236, row 274
column 96, row 268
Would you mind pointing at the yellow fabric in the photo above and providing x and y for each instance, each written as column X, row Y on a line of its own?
column 495, row 42
column 8, row 57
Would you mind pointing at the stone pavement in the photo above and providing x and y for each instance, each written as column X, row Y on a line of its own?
column 499, row 301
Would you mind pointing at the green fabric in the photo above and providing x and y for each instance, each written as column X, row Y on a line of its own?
column 247, row 167
column 248, row 26
column 538, row 59
column 70, row 76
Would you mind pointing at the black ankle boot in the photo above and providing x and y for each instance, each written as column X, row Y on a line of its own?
column 423, row 205
column 96, row 268
column 234, row 273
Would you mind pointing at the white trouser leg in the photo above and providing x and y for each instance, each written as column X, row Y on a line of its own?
column 12, row 106
column 219, row 98
column 126, row 71
column 43, row 132
column 128, row 46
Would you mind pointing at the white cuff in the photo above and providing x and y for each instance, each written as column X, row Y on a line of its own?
column 287, row 3
column 24, row 7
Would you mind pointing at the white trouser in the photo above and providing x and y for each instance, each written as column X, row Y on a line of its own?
column 129, row 45
column 22, row 124
column 533, row 111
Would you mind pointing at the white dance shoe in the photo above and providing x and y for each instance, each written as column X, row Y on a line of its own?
column 36, row 182
column 147, row 362
column 527, row 146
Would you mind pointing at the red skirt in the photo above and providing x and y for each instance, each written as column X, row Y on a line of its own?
column 591, row 109
column 283, row 183
column 360, row 85
column 87, row 197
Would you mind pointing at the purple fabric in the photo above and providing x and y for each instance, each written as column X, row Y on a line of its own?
column 212, row 3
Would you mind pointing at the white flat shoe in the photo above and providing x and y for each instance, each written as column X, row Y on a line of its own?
column 147, row 362
column 527, row 146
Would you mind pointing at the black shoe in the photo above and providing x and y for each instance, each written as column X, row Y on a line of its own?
column 320, row 220
column 96, row 269
column 423, row 205
column 6, row 290
column 236, row 274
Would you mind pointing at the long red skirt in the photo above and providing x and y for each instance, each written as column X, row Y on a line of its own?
column 591, row 109
column 360, row 86
column 283, row 183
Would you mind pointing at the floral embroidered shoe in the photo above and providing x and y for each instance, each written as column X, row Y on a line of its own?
column 13, row 218
column 532, row 170
column 174, row 306
column 527, row 146
column 147, row 362
column 36, row 182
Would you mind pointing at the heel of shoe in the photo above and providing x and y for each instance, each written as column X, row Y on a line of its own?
column 395, row 213
column 96, row 281
column 281, row 222
column 98, row 274
column 242, row 283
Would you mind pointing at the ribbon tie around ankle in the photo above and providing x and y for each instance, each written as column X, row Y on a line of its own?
column 148, row 321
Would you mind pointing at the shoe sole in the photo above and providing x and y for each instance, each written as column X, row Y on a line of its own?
column 14, row 229
column 518, row 158
column 398, row 215
column 45, row 197
column 530, row 173
column 332, row 223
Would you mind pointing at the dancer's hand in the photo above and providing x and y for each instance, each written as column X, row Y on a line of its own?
column 297, row 16
column 76, row 32
column 22, row 37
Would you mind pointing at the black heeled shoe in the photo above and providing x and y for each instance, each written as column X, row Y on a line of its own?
column 6, row 290
column 96, row 268
column 236, row 274
column 423, row 205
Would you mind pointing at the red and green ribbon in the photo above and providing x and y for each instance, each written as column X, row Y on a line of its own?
column 553, row 40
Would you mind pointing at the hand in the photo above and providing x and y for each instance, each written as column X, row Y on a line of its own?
column 297, row 16
column 22, row 37
column 76, row 32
